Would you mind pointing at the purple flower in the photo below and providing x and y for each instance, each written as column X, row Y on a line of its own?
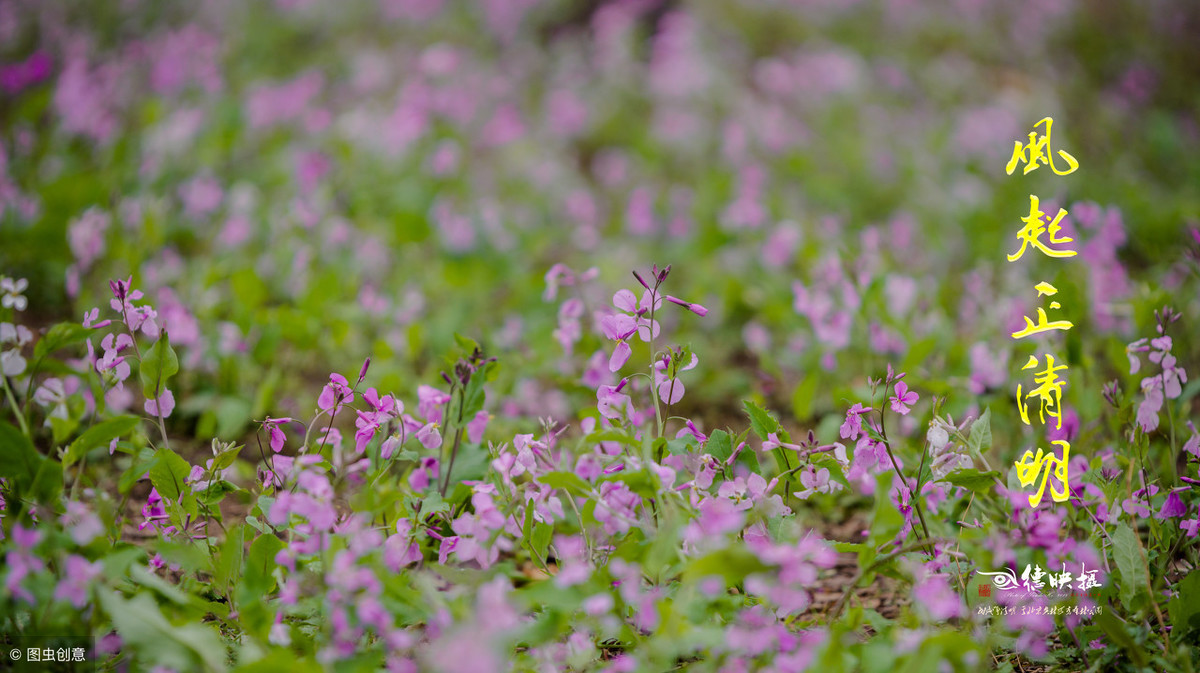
column 937, row 599
column 1173, row 508
column 163, row 405
column 853, row 425
column 78, row 575
column 903, row 399
column 430, row 402
column 82, row 523
column 335, row 393
column 1191, row 526
column 616, row 507
column 612, row 403
column 275, row 432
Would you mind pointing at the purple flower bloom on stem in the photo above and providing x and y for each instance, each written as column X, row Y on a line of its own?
column 82, row 523
column 694, row 308
column 937, row 599
column 903, row 399
column 1173, row 508
column 430, row 401
column 163, row 405
column 852, row 427
column 277, row 437
column 1191, row 526
column 335, row 393
column 78, row 575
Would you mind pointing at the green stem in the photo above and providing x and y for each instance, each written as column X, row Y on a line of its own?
column 16, row 409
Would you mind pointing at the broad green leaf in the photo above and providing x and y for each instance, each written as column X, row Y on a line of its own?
column 719, row 445
column 527, row 527
column 732, row 563
column 260, row 564
column 48, row 482
column 542, row 532
column 158, row 365
column 227, row 566
column 168, row 474
column 974, row 480
column 58, row 337
column 145, row 630
column 19, row 461
column 610, row 435
column 761, row 421
column 981, row 432
column 1185, row 607
column 433, row 504
column 804, row 397
column 1117, row 631
column 215, row 493
column 225, row 458
column 99, row 435
column 1129, row 561
column 565, row 480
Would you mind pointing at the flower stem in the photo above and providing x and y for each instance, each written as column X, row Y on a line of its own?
column 16, row 409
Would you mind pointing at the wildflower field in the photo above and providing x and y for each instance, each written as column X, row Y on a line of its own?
column 566, row 335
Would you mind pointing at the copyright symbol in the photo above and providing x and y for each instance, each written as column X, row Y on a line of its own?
column 15, row 654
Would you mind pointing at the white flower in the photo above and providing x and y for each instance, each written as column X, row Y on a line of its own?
column 11, row 363
column 12, row 290
column 938, row 436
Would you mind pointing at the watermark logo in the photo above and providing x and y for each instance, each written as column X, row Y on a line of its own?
column 73, row 654
column 1034, row 581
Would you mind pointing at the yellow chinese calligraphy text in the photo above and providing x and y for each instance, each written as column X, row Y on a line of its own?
column 1038, row 150
column 1031, row 466
column 1049, row 391
column 1043, row 324
column 1031, row 233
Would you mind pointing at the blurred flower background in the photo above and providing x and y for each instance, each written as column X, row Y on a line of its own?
column 298, row 185
column 299, row 181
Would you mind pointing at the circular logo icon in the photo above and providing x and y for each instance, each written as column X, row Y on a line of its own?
column 15, row 654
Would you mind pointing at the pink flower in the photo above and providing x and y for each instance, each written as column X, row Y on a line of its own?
column 163, row 405
column 937, row 599
column 853, row 425
column 276, row 433
column 903, row 399
column 78, row 575
column 335, row 393
column 1173, row 508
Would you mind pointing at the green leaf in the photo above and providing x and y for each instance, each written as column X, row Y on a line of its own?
column 974, row 480
column 1185, row 607
column 567, row 481
column 19, row 461
column 158, row 364
column 1116, row 630
column 169, row 473
column 146, row 631
column 99, row 435
column 981, row 432
column 260, row 564
column 225, row 458
column 719, row 445
column 804, row 396
column 58, row 337
column 610, row 435
column 433, row 504
column 215, row 493
column 48, row 482
column 761, row 421
column 227, row 566
column 732, row 563
column 542, row 532
column 527, row 527
column 1127, row 554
